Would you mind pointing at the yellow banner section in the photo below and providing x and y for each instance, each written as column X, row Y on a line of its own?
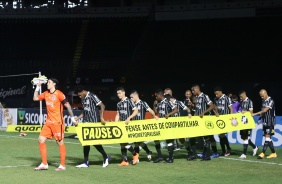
column 162, row 129
column 35, row 128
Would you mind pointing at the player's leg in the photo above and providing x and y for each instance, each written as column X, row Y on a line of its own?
column 271, row 146
column 244, row 137
column 206, row 152
column 266, row 133
column 58, row 132
column 158, row 149
column 44, row 134
column 106, row 158
column 135, row 156
column 255, row 148
column 170, row 148
column 192, row 141
column 85, row 164
column 148, row 151
column 124, row 155
column 213, row 146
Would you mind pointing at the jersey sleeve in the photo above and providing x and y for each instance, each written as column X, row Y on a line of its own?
column 62, row 98
column 41, row 96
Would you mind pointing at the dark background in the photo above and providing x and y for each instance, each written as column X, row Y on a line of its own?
column 144, row 54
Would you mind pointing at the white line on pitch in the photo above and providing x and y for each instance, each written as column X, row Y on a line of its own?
column 253, row 161
column 20, row 137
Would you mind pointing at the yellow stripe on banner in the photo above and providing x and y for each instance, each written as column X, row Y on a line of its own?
column 35, row 128
column 162, row 129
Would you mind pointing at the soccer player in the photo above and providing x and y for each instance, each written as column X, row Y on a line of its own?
column 168, row 91
column 93, row 112
column 181, row 107
column 189, row 102
column 54, row 125
column 142, row 107
column 246, row 105
column 126, row 110
column 203, row 106
column 164, row 108
column 224, row 106
column 268, row 121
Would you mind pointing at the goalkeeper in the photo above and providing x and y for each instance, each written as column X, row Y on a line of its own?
column 54, row 125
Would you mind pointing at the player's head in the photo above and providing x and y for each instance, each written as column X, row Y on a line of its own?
column 218, row 92
column 196, row 89
column 242, row 95
column 263, row 94
column 159, row 93
column 80, row 91
column 188, row 94
column 168, row 97
column 134, row 96
column 52, row 83
column 120, row 92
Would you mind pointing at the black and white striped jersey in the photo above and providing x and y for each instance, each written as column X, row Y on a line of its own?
column 180, row 105
column 223, row 104
column 90, row 108
column 164, row 107
column 247, row 104
column 125, row 108
column 202, row 104
column 268, row 118
column 143, row 107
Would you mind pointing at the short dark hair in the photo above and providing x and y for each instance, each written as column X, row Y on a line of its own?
column 54, row 80
column 195, row 85
column 217, row 88
column 134, row 91
column 120, row 88
column 79, row 89
column 242, row 91
column 159, row 91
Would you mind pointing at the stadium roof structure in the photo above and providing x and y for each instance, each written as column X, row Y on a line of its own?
column 176, row 10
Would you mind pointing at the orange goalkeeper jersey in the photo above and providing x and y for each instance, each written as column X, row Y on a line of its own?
column 54, row 104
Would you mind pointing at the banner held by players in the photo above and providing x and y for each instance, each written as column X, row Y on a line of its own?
column 162, row 129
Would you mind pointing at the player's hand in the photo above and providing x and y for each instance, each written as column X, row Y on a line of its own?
column 103, row 122
column 201, row 115
column 156, row 117
column 74, row 121
column 189, row 115
column 127, row 121
column 166, row 116
column 37, row 87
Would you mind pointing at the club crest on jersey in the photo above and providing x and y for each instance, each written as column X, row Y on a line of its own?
column 234, row 121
